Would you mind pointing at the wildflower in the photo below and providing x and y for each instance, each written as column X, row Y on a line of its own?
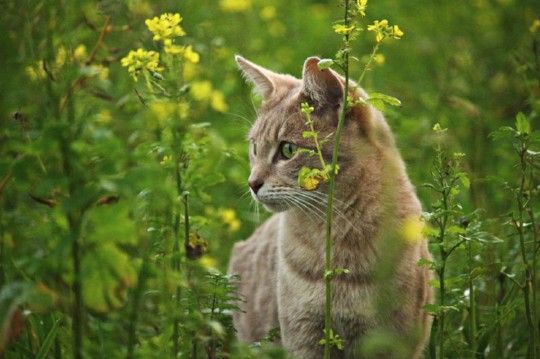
column 191, row 55
column 228, row 216
column 362, row 5
column 342, row 29
column 413, row 229
column 535, row 26
column 310, row 183
column 201, row 90
column 61, row 57
column 268, row 12
column 397, row 33
column 383, row 30
column 208, row 262
column 235, row 5
column 379, row 59
column 217, row 101
column 80, row 54
column 139, row 60
column 166, row 160
column 167, row 26
column 36, row 72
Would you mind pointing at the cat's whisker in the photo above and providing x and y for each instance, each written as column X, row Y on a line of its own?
column 309, row 209
column 339, row 213
column 340, row 230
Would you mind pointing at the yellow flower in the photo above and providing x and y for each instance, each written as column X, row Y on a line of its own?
column 201, row 90
column 191, row 55
column 383, row 30
column 104, row 117
column 396, row 32
column 535, row 26
column 36, row 72
column 167, row 26
column 235, row 5
column 362, row 5
column 379, row 59
column 413, row 229
column 342, row 29
column 61, row 57
column 228, row 216
column 268, row 12
column 80, row 54
column 139, row 60
column 310, row 183
column 208, row 262
column 218, row 101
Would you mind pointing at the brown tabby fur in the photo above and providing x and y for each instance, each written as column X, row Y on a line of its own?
column 282, row 264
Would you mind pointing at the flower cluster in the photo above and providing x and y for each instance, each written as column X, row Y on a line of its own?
column 166, row 27
column 139, row 60
column 204, row 91
column 361, row 5
column 235, row 5
column 228, row 216
column 384, row 30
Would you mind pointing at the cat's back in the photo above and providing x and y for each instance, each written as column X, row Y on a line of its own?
column 255, row 261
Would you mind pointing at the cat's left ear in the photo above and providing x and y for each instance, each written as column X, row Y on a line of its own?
column 323, row 87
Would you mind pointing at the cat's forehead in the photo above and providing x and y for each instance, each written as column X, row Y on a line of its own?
column 279, row 118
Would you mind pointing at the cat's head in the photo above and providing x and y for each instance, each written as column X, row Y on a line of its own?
column 277, row 138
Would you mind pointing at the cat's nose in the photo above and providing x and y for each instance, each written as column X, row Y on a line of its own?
column 255, row 184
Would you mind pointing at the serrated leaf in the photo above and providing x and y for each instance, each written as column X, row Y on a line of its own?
column 522, row 124
column 325, row 64
column 393, row 101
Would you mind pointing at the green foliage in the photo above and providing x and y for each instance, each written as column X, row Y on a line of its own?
column 120, row 199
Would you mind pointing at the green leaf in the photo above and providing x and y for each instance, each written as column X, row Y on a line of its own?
column 385, row 98
column 325, row 64
column 522, row 124
column 47, row 343
column 309, row 134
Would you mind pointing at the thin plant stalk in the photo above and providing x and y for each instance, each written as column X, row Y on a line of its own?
column 472, row 303
column 528, row 286
column 331, row 190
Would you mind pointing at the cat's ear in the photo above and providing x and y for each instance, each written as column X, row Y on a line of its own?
column 323, row 87
column 264, row 80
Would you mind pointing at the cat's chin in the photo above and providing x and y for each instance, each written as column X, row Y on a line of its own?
column 275, row 207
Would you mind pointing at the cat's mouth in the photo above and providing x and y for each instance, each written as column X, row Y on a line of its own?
column 272, row 200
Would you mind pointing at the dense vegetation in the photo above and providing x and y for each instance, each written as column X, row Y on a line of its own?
column 123, row 171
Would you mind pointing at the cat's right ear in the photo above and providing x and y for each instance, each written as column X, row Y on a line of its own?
column 263, row 79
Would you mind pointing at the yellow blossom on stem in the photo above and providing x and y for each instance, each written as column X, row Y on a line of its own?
column 80, row 54
column 342, row 29
column 235, row 5
column 139, row 60
column 396, row 32
column 383, row 29
column 191, row 55
column 362, row 5
column 535, row 26
column 228, row 216
column 167, row 26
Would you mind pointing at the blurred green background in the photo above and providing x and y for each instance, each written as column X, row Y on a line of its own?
column 73, row 130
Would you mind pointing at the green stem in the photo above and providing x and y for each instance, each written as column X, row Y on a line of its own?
column 472, row 303
column 368, row 64
column 134, row 315
column 331, row 190
column 529, row 284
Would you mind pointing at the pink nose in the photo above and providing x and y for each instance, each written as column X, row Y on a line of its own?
column 255, row 184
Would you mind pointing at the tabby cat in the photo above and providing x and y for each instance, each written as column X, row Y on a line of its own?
column 281, row 265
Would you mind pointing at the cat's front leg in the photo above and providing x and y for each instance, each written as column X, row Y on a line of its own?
column 301, row 333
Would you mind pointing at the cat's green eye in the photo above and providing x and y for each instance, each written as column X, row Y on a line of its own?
column 288, row 149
